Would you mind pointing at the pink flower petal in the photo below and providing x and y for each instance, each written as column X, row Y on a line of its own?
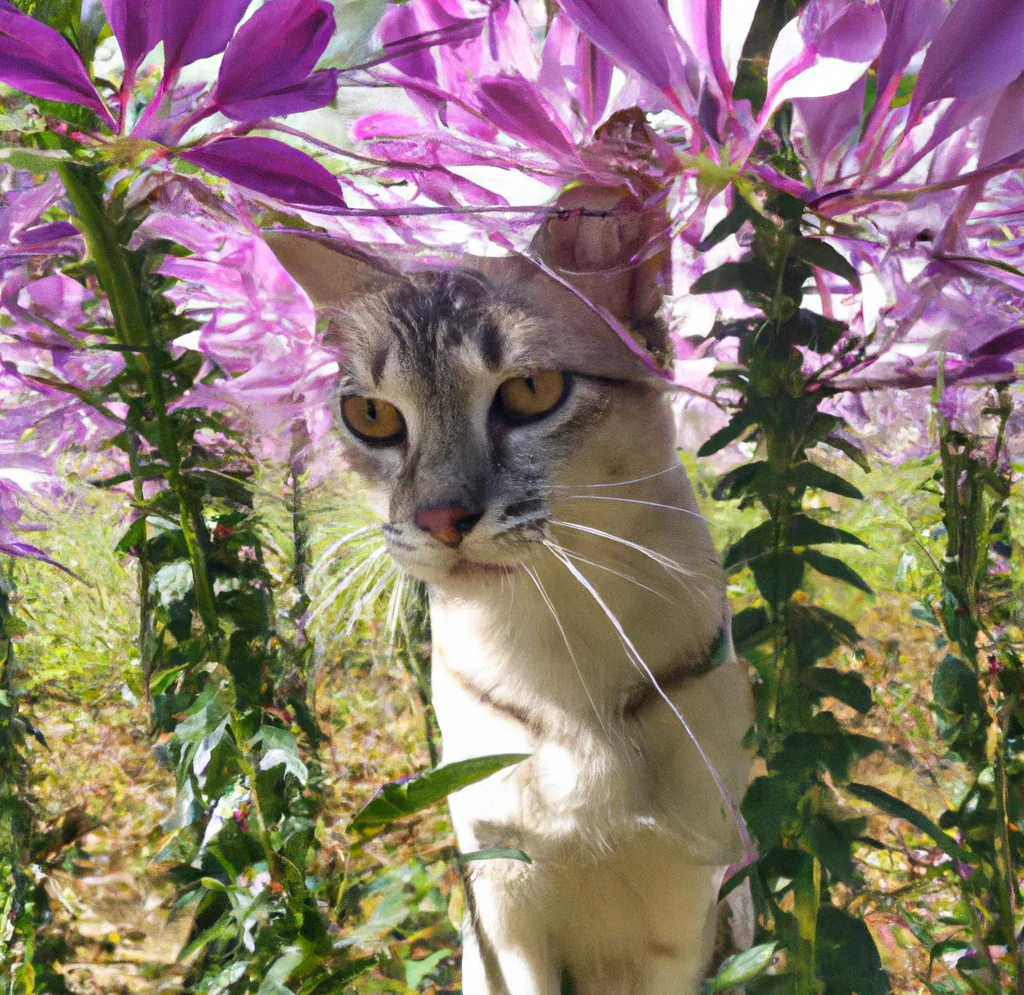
column 267, row 64
column 38, row 61
column 271, row 168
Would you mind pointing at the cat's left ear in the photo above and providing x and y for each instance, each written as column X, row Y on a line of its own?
column 331, row 273
column 613, row 248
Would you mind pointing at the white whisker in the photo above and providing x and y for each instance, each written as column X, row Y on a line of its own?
column 395, row 607
column 323, row 559
column 611, row 570
column 623, row 483
column 649, row 504
column 572, row 656
column 638, row 661
column 652, row 554
column 328, row 600
column 390, row 572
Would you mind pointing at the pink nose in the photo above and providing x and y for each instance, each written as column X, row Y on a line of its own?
column 447, row 523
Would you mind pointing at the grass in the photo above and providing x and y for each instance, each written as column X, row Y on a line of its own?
column 101, row 794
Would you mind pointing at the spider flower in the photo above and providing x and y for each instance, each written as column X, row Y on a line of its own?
column 289, row 35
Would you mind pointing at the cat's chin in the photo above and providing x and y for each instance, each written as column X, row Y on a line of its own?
column 459, row 572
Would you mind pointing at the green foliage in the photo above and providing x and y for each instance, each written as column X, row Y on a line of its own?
column 398, row 800
column 227, row 670
column 805, row 850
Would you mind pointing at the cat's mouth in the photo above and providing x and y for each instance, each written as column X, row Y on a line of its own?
column 455, row 568
column 469, row 568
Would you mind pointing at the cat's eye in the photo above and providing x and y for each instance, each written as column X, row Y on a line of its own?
column 374, row 421
column 524, row 399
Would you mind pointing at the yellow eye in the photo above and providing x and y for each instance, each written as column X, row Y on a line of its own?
column 527, row 398
column 377, row 422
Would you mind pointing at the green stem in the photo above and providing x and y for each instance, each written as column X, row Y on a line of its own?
column 250, row 772
column 15, row 827
column 145, row 630
column 1004, row 854
column 134, row 328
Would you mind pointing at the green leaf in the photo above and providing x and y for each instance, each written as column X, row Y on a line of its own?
column 758, row 540
column 338, row 982
column 731, row 223
column 831, row 842
column 207, row 712
column 416, row 971
column 810, row 617
column 768, row 807
column 280, row 971
column 743, row 967
column 495, row 853
column 280, row 747
column 901, row 810
column 34, row 160
column 823, row 745
column 850, row 449
column 824, row 256
column 399, row 799
column 804, row 531
column 134, row 535
column 845, row 955
column 750, row 628
column 812, row 330
column 808, row 474
column 737, row 481
column 831, row 566
column 738, row 424
column 847, row 687
column 777, row 575
column 747, row 275
column 955, row 686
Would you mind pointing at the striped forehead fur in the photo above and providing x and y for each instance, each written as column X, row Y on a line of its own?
column 426, row 318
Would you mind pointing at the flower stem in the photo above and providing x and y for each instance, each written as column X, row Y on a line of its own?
column 134, row 328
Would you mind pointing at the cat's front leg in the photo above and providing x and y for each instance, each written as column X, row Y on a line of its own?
column 503, row 953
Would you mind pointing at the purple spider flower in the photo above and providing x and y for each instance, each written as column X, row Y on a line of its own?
column 290, row 36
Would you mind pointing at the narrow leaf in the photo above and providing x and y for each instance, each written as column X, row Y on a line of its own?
column 901, row 810
column 804, row 531
column 399, row 799
column 740, row 968
column 824, row 256
column 809, row 474
column 758, row 540
column 738, row 424
column 748, row 275
column 731, row 223
column 853, row 451
column 831, row 566
column 495, row 853
column 847, row 687
column 750, row 627
column 34, row 160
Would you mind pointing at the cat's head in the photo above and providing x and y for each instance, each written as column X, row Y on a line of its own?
column 472, row 400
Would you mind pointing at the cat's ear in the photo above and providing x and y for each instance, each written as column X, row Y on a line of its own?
column 331, row 273
column 612, row 248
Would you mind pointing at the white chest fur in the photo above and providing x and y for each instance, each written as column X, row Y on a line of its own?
column 614, row 805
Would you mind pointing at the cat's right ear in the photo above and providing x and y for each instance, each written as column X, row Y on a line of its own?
column 330, row 272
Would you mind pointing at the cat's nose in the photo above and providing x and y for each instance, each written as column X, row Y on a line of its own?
column 447, row 523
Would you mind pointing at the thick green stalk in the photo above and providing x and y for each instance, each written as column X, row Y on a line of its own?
column 134, row 328
column 15, row 927
column 145, row 627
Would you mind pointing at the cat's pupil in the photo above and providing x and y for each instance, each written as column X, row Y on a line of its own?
column 371, row 410
column 529, row 384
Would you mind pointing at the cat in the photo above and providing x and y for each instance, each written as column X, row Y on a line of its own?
column 522, row 458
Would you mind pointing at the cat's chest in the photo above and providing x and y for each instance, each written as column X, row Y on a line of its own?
column 553, row 669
